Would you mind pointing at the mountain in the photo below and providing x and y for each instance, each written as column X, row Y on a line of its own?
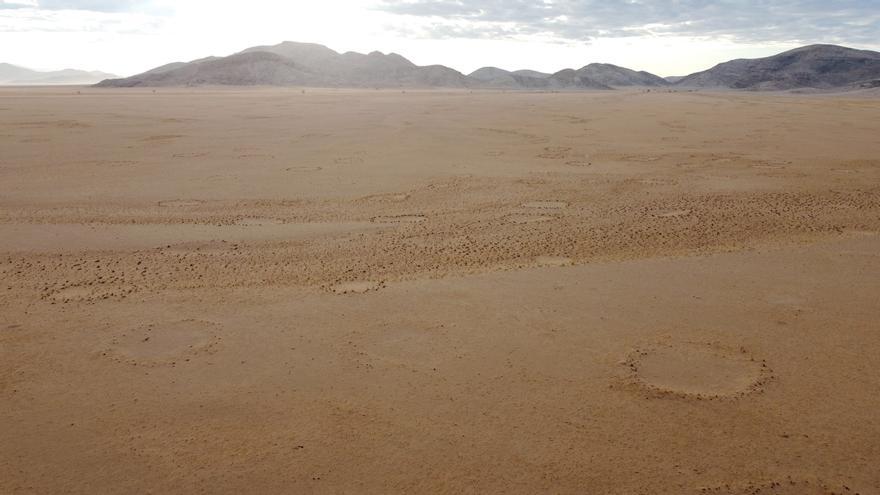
column 310, row 54
column 614, row 76
column 499, row 78
column 574, row 79
column 298, row 64
column 9, row 72
column 493, row 75
column 241, row 69
column 814, row 66
column 308, row 64
column 353, row 68
column 531, row 73
column 15, row 75
column 593, row 76
column 436, row 76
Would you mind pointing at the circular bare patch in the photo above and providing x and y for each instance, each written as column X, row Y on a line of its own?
column 553, row 261
column 91, row 292
column 657, row 182
column 165, row 343
column 348, row 160
column 696, row 370
column 356, row 287
column 400, row 219
column 555, row 152
column 180, row 203
column 258, row 221
column 199, row 247
column 251, row 156
column 787, row 486
column 388, row 197
column 521, row 219
column 549, row 205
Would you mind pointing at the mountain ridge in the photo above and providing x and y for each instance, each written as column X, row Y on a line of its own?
column 16, row 75
column 819, row 66
column 310, row 64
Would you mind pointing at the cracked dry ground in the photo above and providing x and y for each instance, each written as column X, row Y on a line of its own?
column 371, row 291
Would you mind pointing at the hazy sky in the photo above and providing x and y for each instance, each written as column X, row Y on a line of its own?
column 667, row 37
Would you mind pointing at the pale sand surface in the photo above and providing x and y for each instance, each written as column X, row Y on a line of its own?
column 271, row 291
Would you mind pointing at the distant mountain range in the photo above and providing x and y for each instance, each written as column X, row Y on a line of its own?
column 13, row 74
column 306, row 64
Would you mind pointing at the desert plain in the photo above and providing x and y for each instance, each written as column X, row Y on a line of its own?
column 358, row 291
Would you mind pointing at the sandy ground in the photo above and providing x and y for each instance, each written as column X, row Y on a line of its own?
column 277, row 291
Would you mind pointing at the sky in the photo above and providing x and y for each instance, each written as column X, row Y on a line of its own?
column 666, row 37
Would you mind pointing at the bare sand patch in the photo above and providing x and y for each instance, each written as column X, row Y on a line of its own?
column 107, row 237
column 257, row 156
column 259, row 221
column 786, row 486
column 639, row 158
column 522, row 219
column 348, row 160
column 411, row 347
column 787, row 300
column 209, row 248
column 400, row 219
column 165, row 343
column 553, row 261
column 555, row 152
column 656, row 181
column 357, row 287
column 579, row 163
column 303, row 168
column 60, row 124
column 181, row 203
column 94, row 292
column 162, row 138
column 387, row 198
column 546, row 205
column 697, row 370
column 194, row 154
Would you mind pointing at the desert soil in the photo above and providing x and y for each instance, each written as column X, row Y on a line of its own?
column 287, row 291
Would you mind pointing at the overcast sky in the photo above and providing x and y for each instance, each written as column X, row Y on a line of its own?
column 667, row 37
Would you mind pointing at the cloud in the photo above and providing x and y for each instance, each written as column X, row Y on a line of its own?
column 93, row 5
column 17, row 4
column 844, row 21
column 64, row 19
column 110, row 6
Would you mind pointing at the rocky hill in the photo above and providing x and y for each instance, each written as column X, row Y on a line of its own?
column 614, row 76
column 593, row 76
column 814, row 66
column 297, row 64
